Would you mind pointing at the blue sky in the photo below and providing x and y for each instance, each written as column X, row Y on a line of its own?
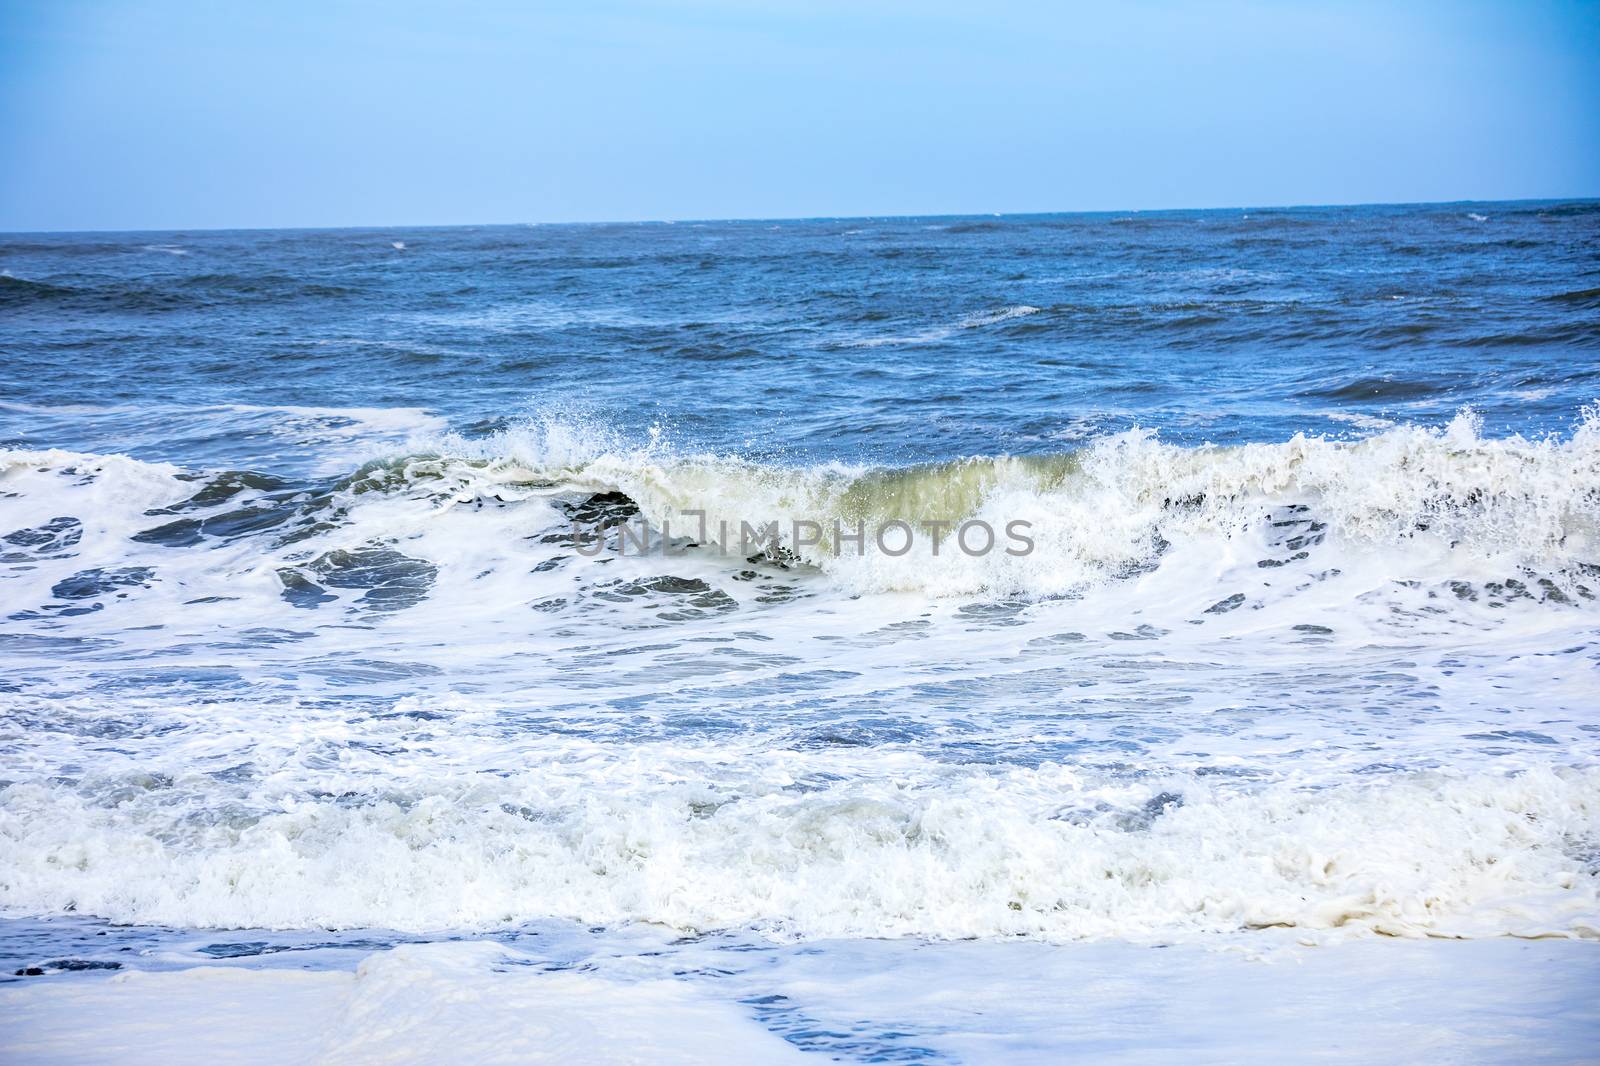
column 185, row 114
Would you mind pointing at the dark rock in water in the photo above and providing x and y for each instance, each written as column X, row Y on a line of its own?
column 98, row 582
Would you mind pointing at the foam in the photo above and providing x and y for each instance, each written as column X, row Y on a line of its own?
column 723, row 838
column 432, row 1002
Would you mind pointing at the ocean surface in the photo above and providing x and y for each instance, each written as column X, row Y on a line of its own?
column 322, row 634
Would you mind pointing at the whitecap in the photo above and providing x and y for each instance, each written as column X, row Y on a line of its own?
column 990, row 318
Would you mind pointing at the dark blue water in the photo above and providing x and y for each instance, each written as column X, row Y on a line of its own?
column 895, row 339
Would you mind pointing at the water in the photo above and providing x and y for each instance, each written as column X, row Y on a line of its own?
column 299, row 651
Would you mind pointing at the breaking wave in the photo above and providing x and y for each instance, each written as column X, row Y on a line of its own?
column 725, row 839
column 1442, row 501
column 1115, row 506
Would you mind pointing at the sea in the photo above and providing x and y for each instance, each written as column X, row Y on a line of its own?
column 1120, row 636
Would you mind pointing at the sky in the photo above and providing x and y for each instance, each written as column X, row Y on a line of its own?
column 185, row 114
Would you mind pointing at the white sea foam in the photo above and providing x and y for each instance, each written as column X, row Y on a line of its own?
column 417, row 1003
column 112, row 491
column 990, row 318
column 325, row 440
column 722, row 837
column 931, row 335
column 1361, row 421
column 934, row 334
column 342, row 424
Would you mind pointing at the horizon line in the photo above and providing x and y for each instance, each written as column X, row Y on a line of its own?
column 797, row 218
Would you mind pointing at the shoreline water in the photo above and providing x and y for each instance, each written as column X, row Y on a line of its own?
column 552, row 994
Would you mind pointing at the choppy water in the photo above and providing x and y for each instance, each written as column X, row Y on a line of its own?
column 296, row 635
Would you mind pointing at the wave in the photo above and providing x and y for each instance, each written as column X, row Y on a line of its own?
column 15, row 291
column 717, row 840
column 1443, row 503
column 1586, row 298
column 989, row 318
column 188, row 291
column 1115, row 506
column 934, row 334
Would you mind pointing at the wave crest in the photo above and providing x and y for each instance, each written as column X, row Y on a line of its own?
column 1118, row 504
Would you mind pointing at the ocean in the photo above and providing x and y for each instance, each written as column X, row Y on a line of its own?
column 888, row 639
